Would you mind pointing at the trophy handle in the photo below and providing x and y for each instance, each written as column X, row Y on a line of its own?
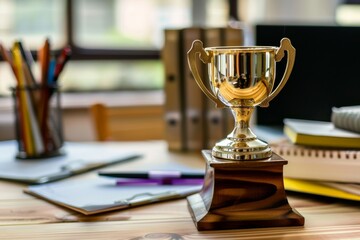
column 285, row 45
column 197, row 48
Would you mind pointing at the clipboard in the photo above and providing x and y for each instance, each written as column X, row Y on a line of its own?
column 102, row 195
column 78, row 158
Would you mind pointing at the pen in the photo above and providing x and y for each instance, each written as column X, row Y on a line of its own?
column 27, row 61
column 154, row 175
column 7, row 57
column 166, row 181
column 44, row 58
column 61, row 61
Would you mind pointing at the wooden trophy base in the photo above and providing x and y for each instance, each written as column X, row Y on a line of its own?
column 242, row 194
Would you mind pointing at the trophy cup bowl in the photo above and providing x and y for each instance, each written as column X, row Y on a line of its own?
column 241, row 78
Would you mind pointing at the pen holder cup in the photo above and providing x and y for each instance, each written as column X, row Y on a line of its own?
column 38, row 121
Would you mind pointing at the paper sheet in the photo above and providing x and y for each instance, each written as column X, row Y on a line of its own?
column 102, row 194
column 78, row 157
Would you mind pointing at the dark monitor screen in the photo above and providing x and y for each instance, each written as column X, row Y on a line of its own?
column 326, row 73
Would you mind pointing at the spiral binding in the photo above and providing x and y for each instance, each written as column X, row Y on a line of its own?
column 285, row 149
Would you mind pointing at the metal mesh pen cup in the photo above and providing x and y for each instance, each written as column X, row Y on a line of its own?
column 38, row 121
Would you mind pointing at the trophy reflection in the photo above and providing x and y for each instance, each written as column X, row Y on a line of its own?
column 243, row 184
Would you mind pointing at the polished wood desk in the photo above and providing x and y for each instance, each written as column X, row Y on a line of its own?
column 25, row 217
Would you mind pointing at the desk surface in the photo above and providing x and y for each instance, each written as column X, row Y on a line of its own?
column 25, row 217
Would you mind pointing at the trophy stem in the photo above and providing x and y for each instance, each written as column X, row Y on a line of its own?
column 242, row 129
column 242, row 143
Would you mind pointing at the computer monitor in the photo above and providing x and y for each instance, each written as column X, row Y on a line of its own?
column 326, row 73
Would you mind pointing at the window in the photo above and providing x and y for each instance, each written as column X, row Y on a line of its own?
column 125, row 24
column 348, row 13
column 106, row 36
column 30, row 22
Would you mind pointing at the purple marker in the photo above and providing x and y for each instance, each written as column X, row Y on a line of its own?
column 164, row 181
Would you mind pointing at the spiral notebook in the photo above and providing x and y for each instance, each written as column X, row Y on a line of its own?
column 322, row 164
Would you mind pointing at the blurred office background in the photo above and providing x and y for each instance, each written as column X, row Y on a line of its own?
column 117, row 43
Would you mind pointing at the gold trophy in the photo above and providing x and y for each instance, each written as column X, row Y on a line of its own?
column 243, row 182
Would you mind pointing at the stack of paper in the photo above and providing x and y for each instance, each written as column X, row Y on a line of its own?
column 322, row 159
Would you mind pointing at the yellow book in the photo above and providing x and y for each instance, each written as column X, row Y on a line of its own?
column 328, row 189
column 318, row 133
